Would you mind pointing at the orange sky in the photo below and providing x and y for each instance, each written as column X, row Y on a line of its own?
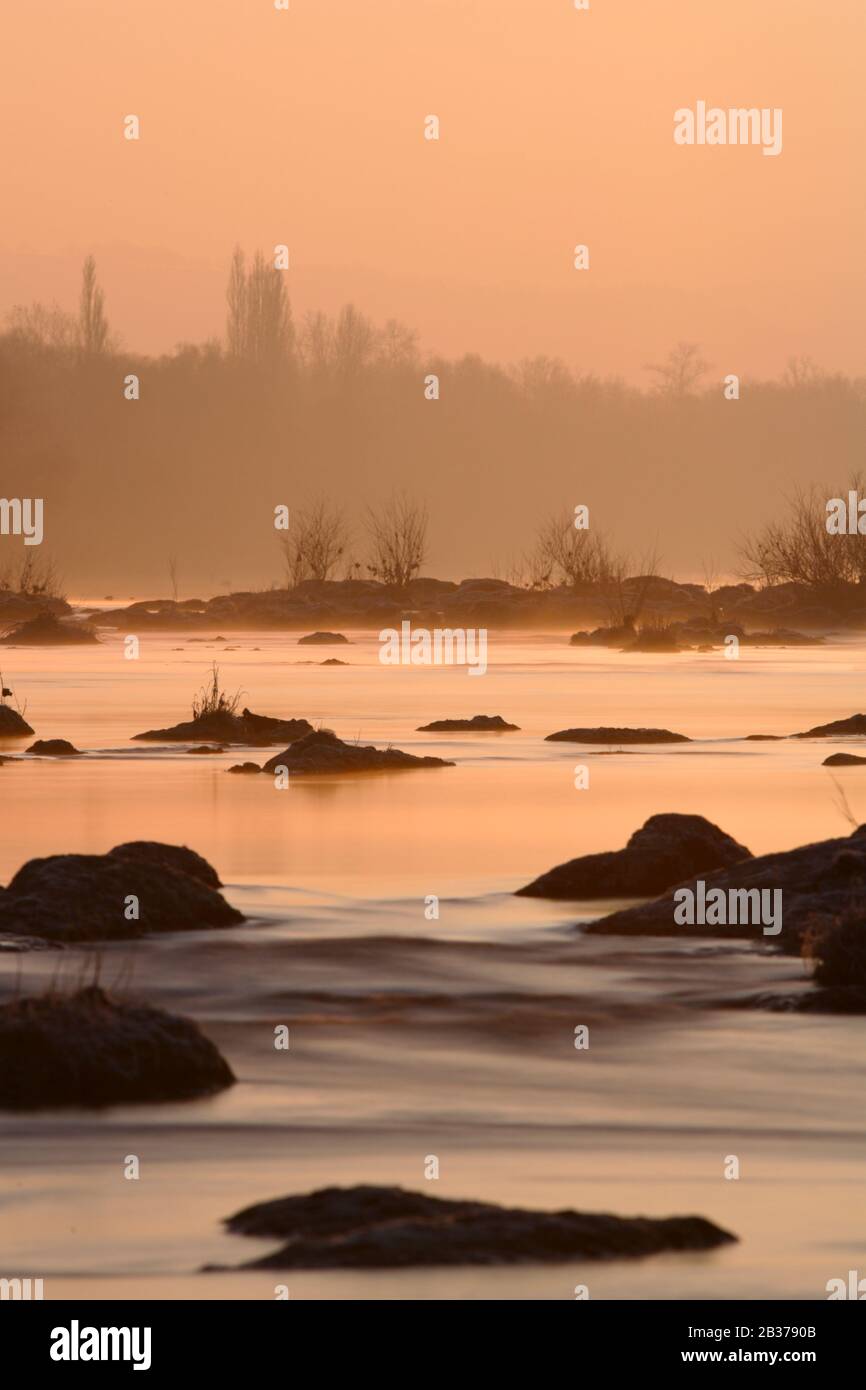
column 306, row 127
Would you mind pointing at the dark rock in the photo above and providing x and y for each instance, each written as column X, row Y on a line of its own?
column 819, row 883
column 370, row 1227
column 333, row 661
column 207, row 748
column 54, row 747
column 321, row 639
column 82, row 897
column 47, row 630
column 479, row 723
column 254, row 730
column 12, row 725
column 616, row 736
column 88, row 1049
column 764, row 738
column 855, row 724
column 843, row 760
column 245, row 767
column 666, row 849
column 322, row 751
column 178, row 857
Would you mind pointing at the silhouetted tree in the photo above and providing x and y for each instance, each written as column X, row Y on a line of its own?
column 398, row 540
column 93, row 336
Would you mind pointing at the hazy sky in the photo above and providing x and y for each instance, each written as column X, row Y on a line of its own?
column 306, row 127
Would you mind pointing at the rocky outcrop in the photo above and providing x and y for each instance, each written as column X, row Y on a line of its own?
column 843, row 760
column 479, row 723
column 12, row 724
column 605, row 735
column 321, row 639
column 323, row 751
column 47, row 630
column 89, row 1049
column 369, row 1227
column 819, row 884
column 667, row 849
column 854, row 724
column 89, row 897
column 54, row 748
column 246, row 728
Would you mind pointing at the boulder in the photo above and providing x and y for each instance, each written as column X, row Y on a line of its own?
column 83, row 897
column 604, row 735
column 368, row 1227
column 479, row 723
column 54, row 748
column 843, row 760
column 322, row 751
column 667, row 849
column 321, row 639
column 12, row 724
column 854, row 724
column 47, row 630
column 88, row 1049
column 254, row 730
column 818, row 883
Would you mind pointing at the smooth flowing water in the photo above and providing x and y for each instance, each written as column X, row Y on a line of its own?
column 413, row 1037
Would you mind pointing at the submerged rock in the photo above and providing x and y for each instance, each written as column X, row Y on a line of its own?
column 855, row 724
column 207, row 748
column 843, row 760
column 819, row 883
column 369, row 1227
column 89, row 1049
column 86, row 897
column 254, row 730
column 46, row 630
column 322, row 751
column 605, row 735
column 245, row 768
column 321, row 639
column 479, row 723
column 666, row 849
column 12, row 724
column 54, row 747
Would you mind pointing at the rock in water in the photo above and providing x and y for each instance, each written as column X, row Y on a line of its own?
column 855, row 724
column 322, row 751
column 370, row 1227
column 46, row 630
column 54, row 747
column 479, row 723
column 12, row 725
column 818, row 884
column 843, row 760
column 88, row 1049
column 256, row 730
column 616, row 736
column 318, row 639
column 666, row 849
column 86, row 897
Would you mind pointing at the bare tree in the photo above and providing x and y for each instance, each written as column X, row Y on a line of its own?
column 681, row 370
column 32, row 577
column 172, row 575
column 800, row 550
column 259, row 319
column 398, row 540
column 570, row 555
column 43, row 326
column 93, row 334
column 315, row 544
column 624, row 594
